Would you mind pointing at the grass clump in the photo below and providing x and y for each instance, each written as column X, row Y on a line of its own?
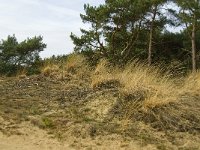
column 47, row 122
column 147, row 85
column 74, row 62
column 147, row 94
column 191, row 85
column 49, row 70
column 64, row 68
column 138, row 82
column 103, row 76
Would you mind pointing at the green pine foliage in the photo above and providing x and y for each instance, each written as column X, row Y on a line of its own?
column 16, row 55
column 123, row 30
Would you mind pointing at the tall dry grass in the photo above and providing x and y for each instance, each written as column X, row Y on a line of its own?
column 148, row 85
column 191, row 85
column 149, row 95
column 144, row 93
column 103, row 74
column 139, row 83
column 74, row 65
column 21, row 73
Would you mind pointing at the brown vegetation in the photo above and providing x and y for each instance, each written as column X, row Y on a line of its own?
column 135, row 103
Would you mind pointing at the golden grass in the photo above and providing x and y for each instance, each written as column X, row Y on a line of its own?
column 139, row 83
column 144, row 93
column 47, row 70
column 21, row 73
column 136, row 100
column 191, row 85
column 148, row 84
column 103, row 73
column 147, row 94
column 77, row 65
column 74, row 61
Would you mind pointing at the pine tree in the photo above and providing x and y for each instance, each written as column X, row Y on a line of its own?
column 189, row 14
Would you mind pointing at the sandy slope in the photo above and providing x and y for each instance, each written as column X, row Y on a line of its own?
column 77, row 114
column 30, row 138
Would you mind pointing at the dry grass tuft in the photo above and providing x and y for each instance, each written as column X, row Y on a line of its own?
column 147, row 85
column 21, row 74
column 49, row 69
column 75, row 65
column 138, row 82
column 191, row 85
column 149, row 95
column 103, row 76
column 73, row 62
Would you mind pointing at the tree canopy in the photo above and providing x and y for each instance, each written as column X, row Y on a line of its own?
column 125, row 29
column 14, row 54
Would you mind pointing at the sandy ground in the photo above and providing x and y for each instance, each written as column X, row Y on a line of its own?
column 31, row 138
column 22, row 100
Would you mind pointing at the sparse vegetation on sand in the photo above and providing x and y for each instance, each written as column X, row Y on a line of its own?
column 132, row 81
column 135, row 106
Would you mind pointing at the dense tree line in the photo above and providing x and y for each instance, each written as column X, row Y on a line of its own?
column 125, row 29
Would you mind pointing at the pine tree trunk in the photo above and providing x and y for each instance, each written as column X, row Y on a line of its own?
column 193, row 47
column 150, row 47
column 151, row 36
